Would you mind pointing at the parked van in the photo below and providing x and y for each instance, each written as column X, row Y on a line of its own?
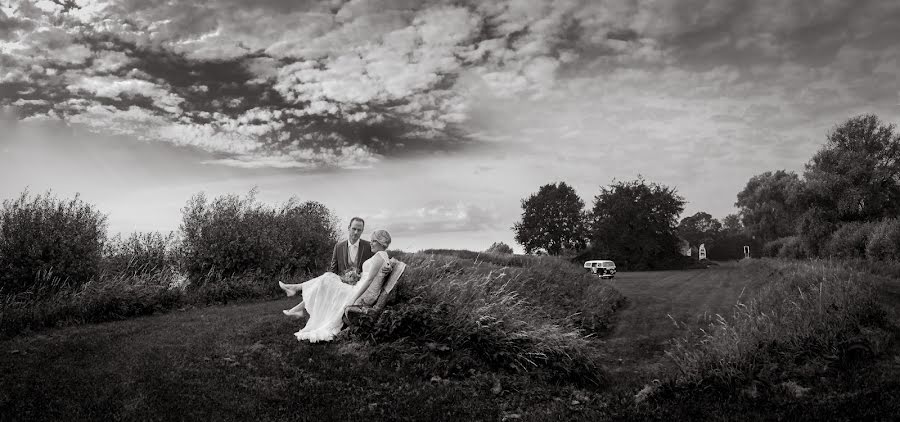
column 601, row 267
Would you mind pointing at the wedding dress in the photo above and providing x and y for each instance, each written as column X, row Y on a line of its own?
column 325, row 298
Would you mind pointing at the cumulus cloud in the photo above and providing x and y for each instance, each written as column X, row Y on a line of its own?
column 290, row 84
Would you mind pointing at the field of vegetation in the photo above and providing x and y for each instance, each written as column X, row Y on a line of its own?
column 487, row 337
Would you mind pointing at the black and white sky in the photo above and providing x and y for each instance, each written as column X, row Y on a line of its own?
column 432, row 119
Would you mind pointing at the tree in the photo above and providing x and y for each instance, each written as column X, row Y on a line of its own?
column 552, row 219
column 856, row 174
column 634, row 223
column 699, row 228
column 731, row 225
column 770, row 204
column 500, row 248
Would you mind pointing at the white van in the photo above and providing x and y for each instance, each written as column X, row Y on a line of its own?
column 601, row 267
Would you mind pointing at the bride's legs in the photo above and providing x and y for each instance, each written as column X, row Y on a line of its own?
column 297, row 311
column 290, row 289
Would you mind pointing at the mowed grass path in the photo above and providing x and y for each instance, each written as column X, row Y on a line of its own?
column 655, row 301
column 241, row 362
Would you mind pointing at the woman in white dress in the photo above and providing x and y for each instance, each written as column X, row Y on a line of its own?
column 326, row 298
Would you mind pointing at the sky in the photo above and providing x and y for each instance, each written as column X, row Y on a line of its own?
column 432, row 119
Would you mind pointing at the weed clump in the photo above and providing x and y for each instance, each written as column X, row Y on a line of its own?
column 467, row 316
column 806, row 320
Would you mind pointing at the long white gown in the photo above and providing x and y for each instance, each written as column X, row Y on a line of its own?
column 325, row 298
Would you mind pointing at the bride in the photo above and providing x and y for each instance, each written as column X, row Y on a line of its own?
column 326, row 297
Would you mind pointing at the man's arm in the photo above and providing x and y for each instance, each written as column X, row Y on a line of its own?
column 334, row 257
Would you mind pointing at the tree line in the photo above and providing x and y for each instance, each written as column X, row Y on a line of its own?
column 846, row 204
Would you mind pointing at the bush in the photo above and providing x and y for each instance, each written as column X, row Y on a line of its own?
column 49, row 241
column 793, row 248
column 849, row 241
column 503, row 317
column 232, row 236
column 140, row 255
column 500, row 248
column 806, row 318
column 884, row 242
column 815, row 228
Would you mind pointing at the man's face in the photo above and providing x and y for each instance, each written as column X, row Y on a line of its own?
column 356, row 229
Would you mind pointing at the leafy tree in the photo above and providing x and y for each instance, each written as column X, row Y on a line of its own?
column 500, row 248
column 634, row 223
column 770, row 204
column 699, row 228
column 552, row 219
column 731, row 224
column 857, row 172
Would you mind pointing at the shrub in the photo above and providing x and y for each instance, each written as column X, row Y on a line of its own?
column 810, row 316
column 48, row 240
column 884, row 242
column 792, row 248
column 231, row 236
column 814, row 228
column 849, row 241
column 500, row 248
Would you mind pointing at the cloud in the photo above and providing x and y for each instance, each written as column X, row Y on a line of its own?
column 369, row 80
column 438, row 217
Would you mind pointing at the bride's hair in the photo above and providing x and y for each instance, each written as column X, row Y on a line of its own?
column 382, row 237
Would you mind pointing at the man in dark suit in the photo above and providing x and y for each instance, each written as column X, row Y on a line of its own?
column 351, row 253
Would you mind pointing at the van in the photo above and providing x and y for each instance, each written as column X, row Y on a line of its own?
column 603, row 268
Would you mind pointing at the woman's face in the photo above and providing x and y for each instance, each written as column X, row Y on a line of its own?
column 375, row 245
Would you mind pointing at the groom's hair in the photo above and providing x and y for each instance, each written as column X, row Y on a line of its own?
column 356, row 219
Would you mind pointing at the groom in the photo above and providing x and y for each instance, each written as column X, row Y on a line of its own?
column 349, row 255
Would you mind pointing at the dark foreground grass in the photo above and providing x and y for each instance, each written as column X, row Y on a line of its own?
column 240, row 362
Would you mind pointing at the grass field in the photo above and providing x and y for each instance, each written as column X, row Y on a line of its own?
column 241, row 362
column 655, row 300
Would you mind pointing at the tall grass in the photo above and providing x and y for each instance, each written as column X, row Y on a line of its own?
column 572, row 292
column 809, row 317
column 490, row 315
column 142, row 255
column 116, row 298
column 501, row 259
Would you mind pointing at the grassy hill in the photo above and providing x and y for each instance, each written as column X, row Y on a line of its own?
column 485, row 338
